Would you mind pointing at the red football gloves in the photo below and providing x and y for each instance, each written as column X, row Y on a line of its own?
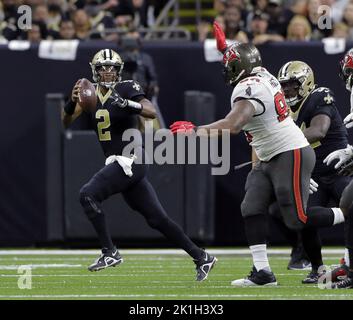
column 185, row 127
column 220, row 37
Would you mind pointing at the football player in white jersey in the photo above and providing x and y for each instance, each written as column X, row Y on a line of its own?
column 283, row 173
column 345, row 167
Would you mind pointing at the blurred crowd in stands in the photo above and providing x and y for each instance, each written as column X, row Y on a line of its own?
column 77, row 19
column 258, row 21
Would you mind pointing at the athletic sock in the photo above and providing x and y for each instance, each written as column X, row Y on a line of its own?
column 259, row 256
column 346, row 257
column 101, row 228
column 338, row 216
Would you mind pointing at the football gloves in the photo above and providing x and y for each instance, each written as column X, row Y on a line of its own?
column 129, row 105
column 345, row 160
column 118, row 99
column 185, row 127
column 313, row 186
column 348, row 121
column 220, row 37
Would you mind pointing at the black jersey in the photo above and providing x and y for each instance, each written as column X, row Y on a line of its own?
column 110, row 121
column 322, row 101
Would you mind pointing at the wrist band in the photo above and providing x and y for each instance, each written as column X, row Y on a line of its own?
column 70, row 107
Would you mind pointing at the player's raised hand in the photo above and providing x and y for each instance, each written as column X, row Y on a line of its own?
column 348, row 121
column 118, row 99
column 75, row 91
column 185, row 127
column 342, row 155
column 220, row 37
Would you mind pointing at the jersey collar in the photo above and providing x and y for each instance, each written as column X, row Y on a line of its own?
column 103, row 98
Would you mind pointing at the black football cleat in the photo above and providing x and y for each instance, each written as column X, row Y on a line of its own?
column 108, row 258
column 256, row 278
column 312, row 277
column 299, row 260
column 347, row 283
column 204, row 266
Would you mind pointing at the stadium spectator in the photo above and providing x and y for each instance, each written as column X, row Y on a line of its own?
column 41, row 13
column 220, row 6
column 66, row 30
column 138, row 65
column 37, row 33
column 56, row 10
column 340, row 30
column 348, row 19
column 258, row 29
column 136, row 9
column 298, row 7
column 82, row 24
column 299, row 29
column 279, row 17
column 100, row 21
column 9, row 8
column 313, row 16
column 203, row 30
column 234, row 24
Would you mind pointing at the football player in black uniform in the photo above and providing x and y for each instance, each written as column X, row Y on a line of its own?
column 314, row 111
column 118, row 107
column 345, row 167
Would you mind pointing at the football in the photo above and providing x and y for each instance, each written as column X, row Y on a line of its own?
column 87, row 95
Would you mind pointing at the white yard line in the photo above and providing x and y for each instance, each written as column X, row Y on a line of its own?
column 64, row 296
column 155, row 252
column 39, row 266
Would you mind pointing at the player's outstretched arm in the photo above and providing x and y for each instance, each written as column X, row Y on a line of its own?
column 241, row 114
column 235, row 120
column 318, row 128
column 72, row 109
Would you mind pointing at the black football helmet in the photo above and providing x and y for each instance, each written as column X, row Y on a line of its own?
column 239, row 60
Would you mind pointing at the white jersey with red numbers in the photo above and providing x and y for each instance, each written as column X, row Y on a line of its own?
column 271, row 131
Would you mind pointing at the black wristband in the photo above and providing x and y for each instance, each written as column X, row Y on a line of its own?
column 70, row 107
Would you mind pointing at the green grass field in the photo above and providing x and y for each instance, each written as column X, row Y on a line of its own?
column 150, row 276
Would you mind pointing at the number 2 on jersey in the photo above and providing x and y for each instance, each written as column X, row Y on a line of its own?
column 103, row 125
column 281, row 106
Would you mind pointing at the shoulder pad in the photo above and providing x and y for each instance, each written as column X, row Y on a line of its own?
column 323, row 96
column 250, row 80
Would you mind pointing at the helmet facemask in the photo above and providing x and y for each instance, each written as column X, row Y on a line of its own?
column 107, row 75
column 297, row 81
column 107, row 67
column 346, row 74
column 291, row 89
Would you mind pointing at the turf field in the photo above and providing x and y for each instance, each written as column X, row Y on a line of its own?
column 152, row 275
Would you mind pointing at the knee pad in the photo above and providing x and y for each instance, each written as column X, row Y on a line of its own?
column 90, row 205
column 284, row 196
column 249, row 209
